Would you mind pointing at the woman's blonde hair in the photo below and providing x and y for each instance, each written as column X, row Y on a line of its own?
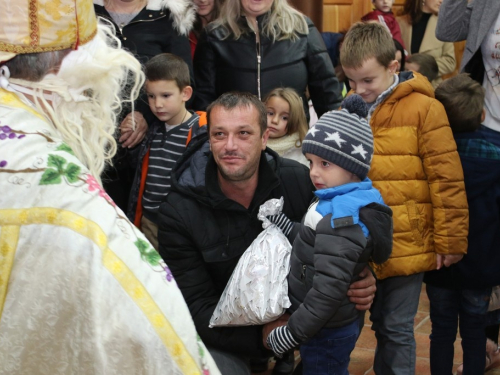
column 297, row 121
column 88, row 92
column 281, row 22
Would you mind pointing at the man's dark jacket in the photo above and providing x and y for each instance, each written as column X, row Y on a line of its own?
column 202, row 234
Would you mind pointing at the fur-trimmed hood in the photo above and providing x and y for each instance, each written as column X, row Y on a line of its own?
column 182, row 12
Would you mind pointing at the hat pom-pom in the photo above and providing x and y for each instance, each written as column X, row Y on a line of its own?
column 355, row 104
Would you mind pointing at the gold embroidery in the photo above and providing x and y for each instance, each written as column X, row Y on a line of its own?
column 33, row 22
column 8, row 244
column 13, row 218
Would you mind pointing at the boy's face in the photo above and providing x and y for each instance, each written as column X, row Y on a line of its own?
column 371, row 79
column 325, row 174
column 383, row 5
column 167, row 101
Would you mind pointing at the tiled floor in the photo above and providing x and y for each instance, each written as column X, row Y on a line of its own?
column 362, row 356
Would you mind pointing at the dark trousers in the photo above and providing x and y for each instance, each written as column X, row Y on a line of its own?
column 329, row 351
column 451, row 309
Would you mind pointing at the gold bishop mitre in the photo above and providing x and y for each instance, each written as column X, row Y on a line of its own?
column 32, row 26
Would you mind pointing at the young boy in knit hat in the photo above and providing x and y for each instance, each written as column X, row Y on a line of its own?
column 347, row 226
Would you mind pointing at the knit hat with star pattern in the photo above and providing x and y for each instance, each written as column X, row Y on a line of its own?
column 343, row 137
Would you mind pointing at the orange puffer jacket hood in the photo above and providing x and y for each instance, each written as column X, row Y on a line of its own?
column 417, row 170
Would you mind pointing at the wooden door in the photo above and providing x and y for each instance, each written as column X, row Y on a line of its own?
column 339, row 15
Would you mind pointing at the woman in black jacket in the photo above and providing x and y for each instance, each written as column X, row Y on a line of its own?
column 256, row 47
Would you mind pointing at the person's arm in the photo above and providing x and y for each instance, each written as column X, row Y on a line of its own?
column 324, row 87
column 395, row 31
column 453, row 21
column 446, row 62
column 132, row 130
column 177, row 248
column 362, row 292
column 443, row 169
column 205, row 73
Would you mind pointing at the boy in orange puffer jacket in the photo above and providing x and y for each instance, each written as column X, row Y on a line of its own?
column 417, row 170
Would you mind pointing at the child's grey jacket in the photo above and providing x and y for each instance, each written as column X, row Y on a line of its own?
column 326, row 260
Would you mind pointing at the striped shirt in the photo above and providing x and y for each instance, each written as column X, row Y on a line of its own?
column 166, row 148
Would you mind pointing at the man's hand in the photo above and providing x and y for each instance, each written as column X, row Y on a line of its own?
column 130, row 135
column 362, row 292
column 447, row 260
column 267, row 328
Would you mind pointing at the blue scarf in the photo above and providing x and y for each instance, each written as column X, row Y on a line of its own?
column 347, row 200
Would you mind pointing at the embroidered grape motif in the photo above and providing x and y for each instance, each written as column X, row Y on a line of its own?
column 7, row 133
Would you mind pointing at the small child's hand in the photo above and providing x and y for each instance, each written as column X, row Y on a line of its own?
column 281, row 340
column 133, row 129
column 447, row 260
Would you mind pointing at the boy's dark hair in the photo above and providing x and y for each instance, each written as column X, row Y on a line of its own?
column 463, row 100
column 234, row 99
column 428, row 65
column 168, row 67
column 364, row 41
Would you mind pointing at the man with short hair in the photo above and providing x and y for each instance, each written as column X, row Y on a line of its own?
column 210, row 218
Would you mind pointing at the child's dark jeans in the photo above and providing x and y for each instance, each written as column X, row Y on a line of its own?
column 328, row 352
column 450, row 309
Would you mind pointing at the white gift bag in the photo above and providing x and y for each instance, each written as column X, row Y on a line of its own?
column 257, row 292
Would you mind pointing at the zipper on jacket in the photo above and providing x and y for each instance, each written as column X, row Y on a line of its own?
column 130, row 23
column 259, row 60
column 138, row 21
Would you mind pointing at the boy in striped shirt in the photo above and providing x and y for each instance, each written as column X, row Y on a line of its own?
column 168, row 89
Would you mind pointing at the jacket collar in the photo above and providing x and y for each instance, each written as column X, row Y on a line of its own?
column 182, row 12
column 195, row 175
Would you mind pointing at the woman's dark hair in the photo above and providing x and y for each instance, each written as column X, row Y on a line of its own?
column 413, row 10
column 198, row 22
column 400, row 48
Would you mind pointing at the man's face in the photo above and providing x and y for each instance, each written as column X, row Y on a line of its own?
column 236, row 142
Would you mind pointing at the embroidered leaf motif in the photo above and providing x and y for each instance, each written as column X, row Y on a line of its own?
column 153, row 257
column 65, row 147
column 56, row 162
column 50, row 177
column 148, row 254
column 72, row 172
column 200, row 348
column 142, row 246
